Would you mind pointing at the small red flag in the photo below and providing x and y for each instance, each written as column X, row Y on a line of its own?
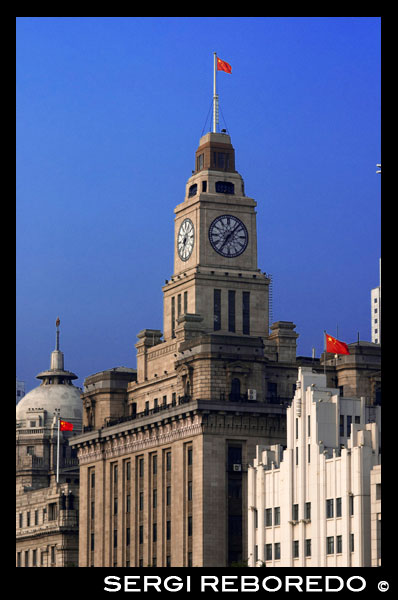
column 223, row 66
column 335, row 346
column 65, row 426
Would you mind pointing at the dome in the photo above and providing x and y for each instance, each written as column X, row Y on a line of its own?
column 37, row 407
column 48, row 397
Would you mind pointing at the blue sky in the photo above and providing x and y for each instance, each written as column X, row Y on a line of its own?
column 109, row 112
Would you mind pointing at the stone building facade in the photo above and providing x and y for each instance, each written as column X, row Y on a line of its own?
column 165, row 449
column 47, row 509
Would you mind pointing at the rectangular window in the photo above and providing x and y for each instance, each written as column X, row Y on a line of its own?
column 277, row 515
column 115, row 538
column 339, row 544
column 154, row 532
column 92, row 541
column 128, row 470
column 189, row 525
column 168, row 530
column 351, row 500
column 141, row 534
column 185, row 302
column 115, row 471
column 349, row 421
column 36, row 517
column 127, row 536
column 308, row 547
column 246, row 313
column 295, row 512
column 115, row 506
column 28, row 519
column 268, row 551
column 141, row 467
column 173, row 317
column 295, row 549
column 231, row 310
column 297, row 429
column 128, row 504
column 168, row 495
column 20, row 519
column 154, row 498
column 357, row 420
column 34, row 558
column 178, row 305
column 341, row 425
column 338, row 507
column 141, row 504
column 268, row 517
column 307, row 510
column 297, row 455
column 189, row 495
column 330, row 545
column 309, row 426
column 217, row 309
column 277, row 551
column 154, row 464
column 199, row 162
column 351, row 542
column 189, row 456
column 168, row 461
column 309, row 453
column 329, row 509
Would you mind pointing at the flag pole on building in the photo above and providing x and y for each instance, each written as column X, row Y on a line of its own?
column 215, row 97
column 58, row 419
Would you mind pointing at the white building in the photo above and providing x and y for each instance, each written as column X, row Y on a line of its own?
column 309, row 505
column 375, row 309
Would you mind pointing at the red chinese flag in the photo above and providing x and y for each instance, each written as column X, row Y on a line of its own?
column 65, row 426
column 223, row 66
column 335, row 346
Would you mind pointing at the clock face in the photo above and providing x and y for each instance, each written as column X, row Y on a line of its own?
column 185, row 239
column 228, row 236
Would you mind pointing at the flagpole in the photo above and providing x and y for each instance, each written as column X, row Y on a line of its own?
column 58, row 450
column 215, row 99
column 324, row 347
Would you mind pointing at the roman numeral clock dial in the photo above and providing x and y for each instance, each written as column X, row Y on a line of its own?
column 185, row 239
column 228, row 236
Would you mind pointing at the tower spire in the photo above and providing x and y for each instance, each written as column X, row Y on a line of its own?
column 57, row 323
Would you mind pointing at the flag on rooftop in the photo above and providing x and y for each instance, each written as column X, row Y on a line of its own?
column 335, row 346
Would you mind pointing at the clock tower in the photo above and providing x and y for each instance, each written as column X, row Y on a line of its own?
column 215, row 250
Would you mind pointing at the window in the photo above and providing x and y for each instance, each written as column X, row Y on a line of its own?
column 128, row 503
column 185, row 302
column 246, row 313
column 255, row 518
column 115, row 506
column 30, row 449
column 329, row 509
column 231, row 310
column 20, row 519
column 141, row 505
column 168, row 530
column 115, row 538
column 168, row 461
column 277, row 551
column 268, row 517
column 308, row 426
column 349, row 421
column 330, row 545
column 338, row 507
column 297, row 455
column 141, row 467
column 357, row 420
column 268, row 551
column 190, row 455
column 154, row 498
column 189, row 525
column 189, row 495
column 154, row 464
column 141, row 534
column 178, row 305
column 199, row 162
column 295, row 549
column 193, row 190
column 351, row 542
column 128, row 470
column 217, row 309
column 115, row 471
column 173, row 317
column 307, row 510
column 277, row 515
column 342, row 425
column 92, row 541
column 351, row 505
column 52, row 511
column 204, row 186
column 297, row 429
column 308, row 547
column 168, row 495
column 225, row 187
column 309, row 453
column 34, row 558
column 127, row 536
column 154, row 532
column 339, row 544
column 295, row 512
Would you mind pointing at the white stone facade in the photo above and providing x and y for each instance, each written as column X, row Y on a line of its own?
column 309, row 505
